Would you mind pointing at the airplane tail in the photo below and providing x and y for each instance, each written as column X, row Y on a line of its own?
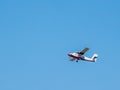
column 94, row 57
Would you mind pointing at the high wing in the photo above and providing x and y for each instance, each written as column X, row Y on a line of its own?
column 84, row 51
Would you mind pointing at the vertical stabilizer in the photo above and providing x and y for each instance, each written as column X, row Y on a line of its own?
column 94, row 57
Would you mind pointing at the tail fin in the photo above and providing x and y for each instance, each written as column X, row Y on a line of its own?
column 94, row 57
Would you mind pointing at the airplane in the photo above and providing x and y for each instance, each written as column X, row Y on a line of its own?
column 79, row 56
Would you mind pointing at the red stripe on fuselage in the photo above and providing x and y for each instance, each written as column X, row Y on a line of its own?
column 74, row 56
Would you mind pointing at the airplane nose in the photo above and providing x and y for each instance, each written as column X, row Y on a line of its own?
column 68, row 54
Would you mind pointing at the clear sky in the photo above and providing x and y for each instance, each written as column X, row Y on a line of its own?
column 36, row 35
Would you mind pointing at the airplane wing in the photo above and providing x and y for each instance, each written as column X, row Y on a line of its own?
column 84, row 51
column 72, row 60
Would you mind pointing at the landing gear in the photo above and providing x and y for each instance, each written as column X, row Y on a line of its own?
column 76, row 60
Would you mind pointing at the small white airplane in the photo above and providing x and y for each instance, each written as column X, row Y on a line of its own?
column 79, row 56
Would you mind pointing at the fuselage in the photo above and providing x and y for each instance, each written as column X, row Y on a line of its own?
column 76, row 56
column 79, row 56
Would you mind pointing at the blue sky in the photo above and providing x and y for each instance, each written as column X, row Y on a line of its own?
column 36, row 36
